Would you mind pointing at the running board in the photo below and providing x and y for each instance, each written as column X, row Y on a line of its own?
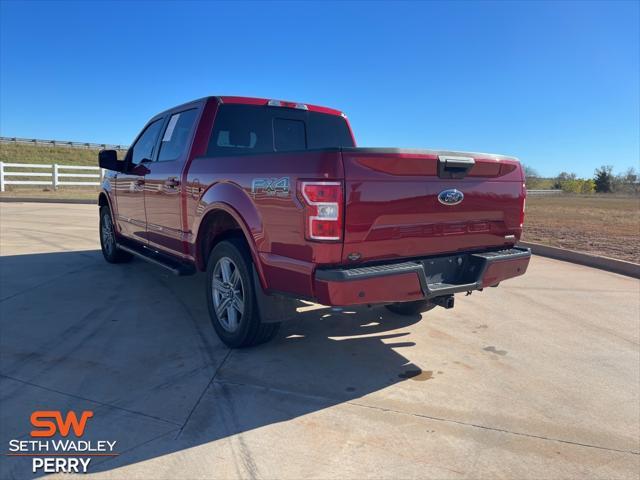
column 158, row 259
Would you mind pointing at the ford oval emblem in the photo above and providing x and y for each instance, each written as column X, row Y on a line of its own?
column 450, row 197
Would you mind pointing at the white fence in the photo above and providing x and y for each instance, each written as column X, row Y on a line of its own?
column 60, row 143
column 53, row 175
column 544, row 192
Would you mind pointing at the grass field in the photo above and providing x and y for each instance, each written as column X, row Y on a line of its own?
column 20, row 153
column 598, row 224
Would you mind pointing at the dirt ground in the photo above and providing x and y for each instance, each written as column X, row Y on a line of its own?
column 602, row 225
column 66, row 193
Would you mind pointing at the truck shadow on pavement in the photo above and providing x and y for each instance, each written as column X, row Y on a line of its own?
column 135, row 346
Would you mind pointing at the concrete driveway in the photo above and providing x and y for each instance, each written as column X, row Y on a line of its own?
column 538, row 378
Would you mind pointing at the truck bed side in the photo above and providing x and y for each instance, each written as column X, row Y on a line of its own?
column 262, row 189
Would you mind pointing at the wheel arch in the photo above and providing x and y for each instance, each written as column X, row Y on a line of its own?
column 220, row 222
column 103, row 200
column 226, row 204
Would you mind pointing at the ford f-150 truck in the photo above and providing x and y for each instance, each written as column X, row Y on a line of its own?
column 274, row 201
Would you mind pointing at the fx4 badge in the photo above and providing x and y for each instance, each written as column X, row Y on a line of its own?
column 271, row 187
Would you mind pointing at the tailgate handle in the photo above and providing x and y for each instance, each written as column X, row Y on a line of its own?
column 454, row 167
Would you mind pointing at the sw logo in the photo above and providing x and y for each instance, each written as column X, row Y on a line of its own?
column 42, row 419
column 56, row 455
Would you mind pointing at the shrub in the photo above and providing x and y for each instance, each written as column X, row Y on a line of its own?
column 577, row 186
column 604, row 179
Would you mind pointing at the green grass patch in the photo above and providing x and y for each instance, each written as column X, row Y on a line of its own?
column 19, row 153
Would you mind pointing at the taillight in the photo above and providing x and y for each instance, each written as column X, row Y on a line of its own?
column 323, row 210
column 524, row 202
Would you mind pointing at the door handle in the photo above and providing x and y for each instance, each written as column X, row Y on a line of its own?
column 172, row 182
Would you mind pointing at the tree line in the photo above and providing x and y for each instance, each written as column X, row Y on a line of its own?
column 604, row 180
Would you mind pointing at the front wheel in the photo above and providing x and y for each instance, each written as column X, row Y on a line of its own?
column 231, row 297
column 411, row 308
column 108, row 244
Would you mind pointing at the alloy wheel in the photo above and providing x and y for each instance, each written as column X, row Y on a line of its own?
column 106, row 231
column 228, row 294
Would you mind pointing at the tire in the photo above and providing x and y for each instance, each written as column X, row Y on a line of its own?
column 110, row 251
column 411, row 308
column 231, row 297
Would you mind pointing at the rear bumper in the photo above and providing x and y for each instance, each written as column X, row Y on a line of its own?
column 428, row 278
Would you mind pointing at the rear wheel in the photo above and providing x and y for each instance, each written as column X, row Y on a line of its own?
column 411, row 308
column 110, row 250
column 231, row 297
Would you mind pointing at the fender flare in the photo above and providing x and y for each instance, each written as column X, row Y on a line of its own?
column 232, row 199
column 107, row 195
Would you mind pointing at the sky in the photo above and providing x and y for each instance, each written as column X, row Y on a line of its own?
column 554, row 84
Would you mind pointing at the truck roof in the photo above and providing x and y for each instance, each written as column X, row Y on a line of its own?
column 277, row 102
column 262, row 101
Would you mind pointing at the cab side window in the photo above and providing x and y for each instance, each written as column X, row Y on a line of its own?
column 176, row 136
column 143, row 148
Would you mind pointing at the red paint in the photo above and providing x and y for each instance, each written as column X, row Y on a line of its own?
column 392, row 210
column 388, row 209
column 397, row 288
column 498, row 271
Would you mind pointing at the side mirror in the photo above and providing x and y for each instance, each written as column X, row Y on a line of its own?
column 108, row 159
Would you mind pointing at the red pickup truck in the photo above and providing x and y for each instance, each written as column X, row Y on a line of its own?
column 277, row 204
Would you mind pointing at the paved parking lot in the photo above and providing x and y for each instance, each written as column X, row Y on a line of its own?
column 539, row 378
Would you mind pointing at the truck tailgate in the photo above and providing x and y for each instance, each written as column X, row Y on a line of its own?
column 400, row 203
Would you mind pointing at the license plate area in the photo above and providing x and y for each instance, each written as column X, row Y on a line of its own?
column 453, row 270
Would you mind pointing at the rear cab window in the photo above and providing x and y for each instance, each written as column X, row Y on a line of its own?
column 289, row 135
column 252, row 129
